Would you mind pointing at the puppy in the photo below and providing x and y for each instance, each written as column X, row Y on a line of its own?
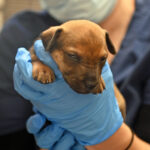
column 80, row 48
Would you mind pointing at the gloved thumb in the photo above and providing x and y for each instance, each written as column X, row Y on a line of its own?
column 23, row 62
column 46, row 58
column 35, row 123
column 48, row 136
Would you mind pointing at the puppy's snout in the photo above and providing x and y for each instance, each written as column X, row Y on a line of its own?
column 91, row 80
column 91, row 86
column 90, row 83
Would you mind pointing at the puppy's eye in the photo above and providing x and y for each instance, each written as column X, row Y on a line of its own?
column 103, row 59
column 73, row 56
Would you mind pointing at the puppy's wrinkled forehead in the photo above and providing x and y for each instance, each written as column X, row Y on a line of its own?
column 84, row 35
column 84, row 31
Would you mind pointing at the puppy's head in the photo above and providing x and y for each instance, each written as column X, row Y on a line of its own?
column 80, row 49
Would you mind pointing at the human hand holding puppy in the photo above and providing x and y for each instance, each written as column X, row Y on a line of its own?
column 90, row 118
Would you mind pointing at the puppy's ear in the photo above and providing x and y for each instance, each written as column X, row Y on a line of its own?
column 50, row 38
column 110, row 46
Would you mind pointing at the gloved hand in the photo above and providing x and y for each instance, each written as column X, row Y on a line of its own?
column 90, row 118
column 51, row 137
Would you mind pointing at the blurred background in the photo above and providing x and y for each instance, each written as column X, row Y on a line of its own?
column 10, row 7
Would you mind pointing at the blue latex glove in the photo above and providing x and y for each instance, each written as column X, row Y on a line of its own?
column 51, row 137
column 90, row 118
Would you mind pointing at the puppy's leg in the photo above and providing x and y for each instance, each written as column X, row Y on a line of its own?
column 40, row 71
column 120, row 100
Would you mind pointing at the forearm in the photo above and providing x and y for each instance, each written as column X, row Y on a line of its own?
column 120, row 141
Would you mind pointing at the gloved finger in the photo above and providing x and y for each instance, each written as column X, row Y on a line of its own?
column 23, row 71
column 23, row 60
column 35, row 123
column 78, row 146
column 47, row 137
column 65, row 142
column 25, row 88
column 46, row 58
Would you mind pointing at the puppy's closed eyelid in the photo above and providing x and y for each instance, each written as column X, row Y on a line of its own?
column 102, row 60
column 73, row 56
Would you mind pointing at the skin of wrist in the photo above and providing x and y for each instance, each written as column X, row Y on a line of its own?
column 139, row 144
column 119, row 140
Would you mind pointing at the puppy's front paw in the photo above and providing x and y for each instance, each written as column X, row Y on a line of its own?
column 42, row 73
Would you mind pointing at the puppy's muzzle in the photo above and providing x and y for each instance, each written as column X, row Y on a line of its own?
column 90, row 83
column 91, row 86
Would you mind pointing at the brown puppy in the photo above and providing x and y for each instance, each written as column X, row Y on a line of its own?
column 80, row 49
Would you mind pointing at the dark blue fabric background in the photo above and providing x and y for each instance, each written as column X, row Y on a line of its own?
column 131, row 67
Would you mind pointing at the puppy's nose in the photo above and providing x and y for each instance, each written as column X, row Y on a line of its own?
column 91, row 86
